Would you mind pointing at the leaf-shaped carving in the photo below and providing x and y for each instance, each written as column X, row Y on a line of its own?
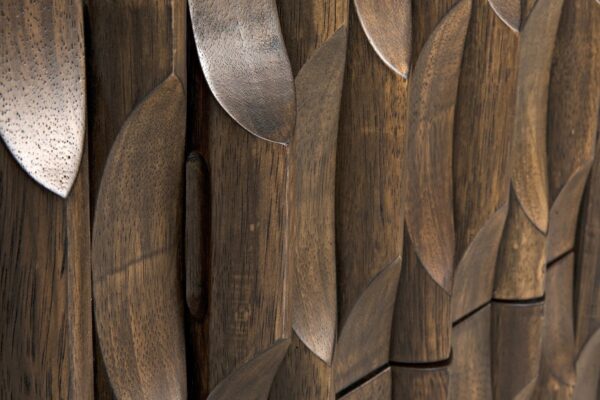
column 557, row 369
column 528, row 166
column 378, row 387
column 516, row 348
column 388, row 25
column 563, row 214
column 509, row 11
column 588, row 365
column 364, row 342
column 312, row 175
column 252, row 380
column 432, row 94
column 246, row 65
column 42, row 90
column 137, row 295
column 474, row 277
column 471, row 369
column 418, row 383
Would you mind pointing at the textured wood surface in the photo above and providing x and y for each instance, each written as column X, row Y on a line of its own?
column 42, row 101
column 243, row 57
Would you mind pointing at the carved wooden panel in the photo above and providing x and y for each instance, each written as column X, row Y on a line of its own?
column 300, row 199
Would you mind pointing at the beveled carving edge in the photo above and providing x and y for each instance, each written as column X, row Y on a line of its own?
column 378, row 387
column 388, row 26
column 564, row 212
column 245, row 63
column 364, row 341
column 135, row 277
column 474, row 276
column 42, row 90
column 252, row 380
column 509, row 11
column 432, row 95
column 529, row 172
column 587, row 366
column 312, row 172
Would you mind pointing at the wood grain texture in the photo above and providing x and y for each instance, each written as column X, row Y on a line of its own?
column 388, row 25
column 529, row 174
column 378, row 387
column 312, row 191
column 587, row 284
column 432, row 96
column 364, row 342
column 557, row 368
column 42, row 90
column 370, row 165
column 516, row 348
column 482, row 131
column 509, row 11
column 136, row 251
column 45, row 287
column 302, row 375
column 471, row 370
column 422, row 319
column 573, row 105
column 250, row 280
column 420, row 383
column 587, row 367
column 244, row 60
column 474, row 277
column 197, row 226
column 252, row 380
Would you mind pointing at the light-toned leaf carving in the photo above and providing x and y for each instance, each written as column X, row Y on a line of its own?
column 563, row 214
column 474, row 277
column 509, row 11
column 388, row 25
column 252, row 380
column 587, row 366
column 529, row 161
column 42, row 89
column 137, row 296
column 432, row 95
column 312, row 176
column 364, row 342
column 246, row 65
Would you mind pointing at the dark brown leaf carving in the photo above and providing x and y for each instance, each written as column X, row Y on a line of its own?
column 563, row 215
column 364, row 342
column 474, row 278
column 471, row 370
column 252, row 380
column 312, row 172
column 378, row 387
column 557, row 369
column 388, row 25
column 516, row 348
column 137, row 296
column 420, row 383
column 508, row 11
column 42, row 90
column 432, row 94
column 529, row 161
column 245, row 63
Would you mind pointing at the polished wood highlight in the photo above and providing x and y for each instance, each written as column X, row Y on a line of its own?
column 244, row 60
column 42, row 90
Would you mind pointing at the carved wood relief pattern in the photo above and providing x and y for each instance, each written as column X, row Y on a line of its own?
column 300, row 199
